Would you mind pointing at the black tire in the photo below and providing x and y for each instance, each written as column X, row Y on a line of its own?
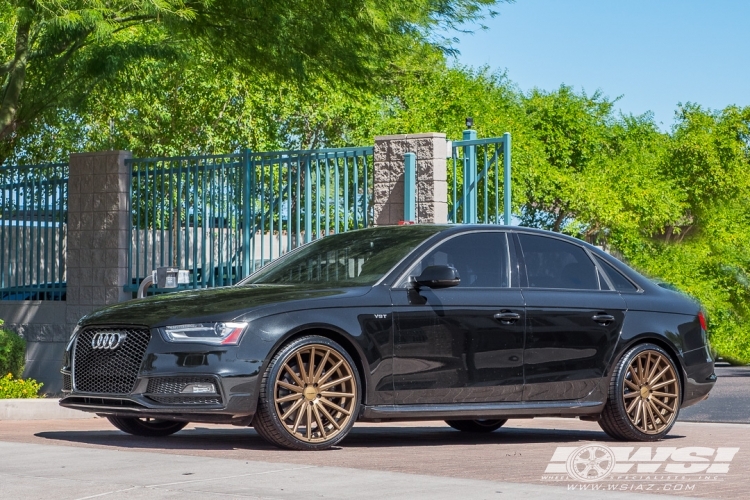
column 268, row 420
column 615, row 419
column 147, row 427
column 478, row 426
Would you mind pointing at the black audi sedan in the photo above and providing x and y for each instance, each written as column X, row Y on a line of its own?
column 468, row 324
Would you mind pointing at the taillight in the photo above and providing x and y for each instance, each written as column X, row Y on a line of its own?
column 702, row 320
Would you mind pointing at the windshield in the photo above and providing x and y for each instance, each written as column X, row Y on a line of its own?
column 348, row 259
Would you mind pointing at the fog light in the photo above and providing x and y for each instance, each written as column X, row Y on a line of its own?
column 200, row 388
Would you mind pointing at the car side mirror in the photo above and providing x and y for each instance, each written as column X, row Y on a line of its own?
column 437, row 277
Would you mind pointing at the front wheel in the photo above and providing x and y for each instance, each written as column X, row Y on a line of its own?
column 147, row 427
column 309, row 396
column 476, row 425
column 644, row 395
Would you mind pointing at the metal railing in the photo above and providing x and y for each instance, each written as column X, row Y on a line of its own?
column 186, row 211
column 33, row 227
column 475, row 180
column 224, row 216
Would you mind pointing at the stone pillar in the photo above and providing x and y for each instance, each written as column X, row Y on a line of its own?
column 432, row 185
column 98, row 231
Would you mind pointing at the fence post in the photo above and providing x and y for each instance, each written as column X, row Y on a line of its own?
column 431, row 188
column 308, row 201
column 506, row 179
column 246, row 222
column 470, row 179
column 410, row 186
column 99, row 228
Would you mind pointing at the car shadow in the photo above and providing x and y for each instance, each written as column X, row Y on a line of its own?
column 385, row 436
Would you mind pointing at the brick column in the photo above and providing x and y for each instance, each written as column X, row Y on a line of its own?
column 98, row 231
column 432, row 185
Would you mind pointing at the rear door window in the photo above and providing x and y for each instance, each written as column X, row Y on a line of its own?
column 554, row 263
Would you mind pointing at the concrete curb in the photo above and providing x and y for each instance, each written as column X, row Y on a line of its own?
column 38, row 409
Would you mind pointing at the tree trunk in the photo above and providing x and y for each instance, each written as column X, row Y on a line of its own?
column 558, row 222
column 15, row 82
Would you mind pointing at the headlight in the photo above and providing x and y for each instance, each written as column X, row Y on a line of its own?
column 206, row 333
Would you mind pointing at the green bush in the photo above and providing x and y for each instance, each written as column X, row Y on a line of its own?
column 12, row 352
column 19, row 388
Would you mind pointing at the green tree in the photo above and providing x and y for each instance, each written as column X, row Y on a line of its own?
column 706, row 252
column 54, row 54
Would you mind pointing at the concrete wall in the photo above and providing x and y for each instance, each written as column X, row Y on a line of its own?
column 42, row 324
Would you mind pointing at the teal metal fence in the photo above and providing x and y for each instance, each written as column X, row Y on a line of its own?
column 33, row 224
column 479, row 180
column 224, row 216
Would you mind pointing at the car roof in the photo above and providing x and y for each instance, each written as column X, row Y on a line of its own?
column 447, row 229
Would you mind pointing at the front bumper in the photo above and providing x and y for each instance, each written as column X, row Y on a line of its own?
column 230, row 404
column 159, row 377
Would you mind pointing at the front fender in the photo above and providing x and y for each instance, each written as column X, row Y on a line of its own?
column 364, row 331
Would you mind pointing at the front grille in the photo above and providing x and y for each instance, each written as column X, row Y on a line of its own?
column 175, row 385
column 109, row 371
column 187, row 400
column 67, row 384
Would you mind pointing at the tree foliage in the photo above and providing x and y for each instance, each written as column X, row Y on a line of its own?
column 12, row 352
column 53, row 54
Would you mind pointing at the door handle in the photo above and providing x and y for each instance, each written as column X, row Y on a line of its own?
column 507, row 317
column 603, row 319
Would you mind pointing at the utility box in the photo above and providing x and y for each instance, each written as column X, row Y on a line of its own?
column 170, row 277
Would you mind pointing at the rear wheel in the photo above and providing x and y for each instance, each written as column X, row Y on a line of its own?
column 644, row 396
column 309, row 396
column 476, row 425
column 147, row 427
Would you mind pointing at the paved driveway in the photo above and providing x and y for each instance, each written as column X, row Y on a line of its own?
column 729, row 400
column 526, row 459
column 531, row 459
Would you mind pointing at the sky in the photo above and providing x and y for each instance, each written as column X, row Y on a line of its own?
column 654, row 54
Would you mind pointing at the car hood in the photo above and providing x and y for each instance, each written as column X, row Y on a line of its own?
column 219, row 304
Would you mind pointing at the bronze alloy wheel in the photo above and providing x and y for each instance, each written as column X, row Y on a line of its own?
column 644, row 395
column 315, row 393
column 310, row 396
column 651, row 392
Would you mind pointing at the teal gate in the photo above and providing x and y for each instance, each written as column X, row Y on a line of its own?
column 224, row 216
column 476, row 180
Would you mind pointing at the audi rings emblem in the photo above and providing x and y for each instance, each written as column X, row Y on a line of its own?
column 108, row 340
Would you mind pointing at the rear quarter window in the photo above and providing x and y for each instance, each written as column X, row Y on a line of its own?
column 620, row 282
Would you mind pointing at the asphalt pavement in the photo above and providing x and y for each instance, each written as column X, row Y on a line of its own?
column 728, row 401
column 88, row 458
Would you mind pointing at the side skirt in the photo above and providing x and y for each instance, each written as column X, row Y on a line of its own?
column 471, row 411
